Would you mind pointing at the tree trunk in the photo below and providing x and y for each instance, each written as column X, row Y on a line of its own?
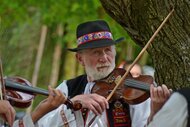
column 170, row 49
column 39, row 55
column 56, row 58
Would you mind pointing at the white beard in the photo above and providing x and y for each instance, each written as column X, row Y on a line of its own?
column 95, row 74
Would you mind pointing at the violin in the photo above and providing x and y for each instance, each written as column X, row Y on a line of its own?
column 20, row 93
column 132, row 90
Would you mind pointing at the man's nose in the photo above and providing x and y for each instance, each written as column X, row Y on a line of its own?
column 103, row 57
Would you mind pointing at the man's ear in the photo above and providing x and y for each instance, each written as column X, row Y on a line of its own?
column 79, row 58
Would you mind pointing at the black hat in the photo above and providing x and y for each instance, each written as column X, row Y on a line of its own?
column 94, row 34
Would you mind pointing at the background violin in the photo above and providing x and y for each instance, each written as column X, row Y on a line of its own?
column 16, row 93
column 20, row 93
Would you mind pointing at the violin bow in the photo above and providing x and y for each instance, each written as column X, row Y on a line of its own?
column 134, row 62
column 2, row 83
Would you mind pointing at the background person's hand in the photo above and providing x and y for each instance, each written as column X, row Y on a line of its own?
column 54, row 100
column 7, row 112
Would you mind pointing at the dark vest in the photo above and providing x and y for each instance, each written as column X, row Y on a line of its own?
column 77, row 85
column 186, row 93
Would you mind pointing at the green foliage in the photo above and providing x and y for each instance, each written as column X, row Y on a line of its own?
column 20, row 25
column 23, row 20
column 53, row 12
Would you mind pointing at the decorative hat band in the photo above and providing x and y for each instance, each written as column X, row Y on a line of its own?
column 94, row 36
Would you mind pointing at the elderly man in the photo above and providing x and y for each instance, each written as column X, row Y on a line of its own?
column 96, row 53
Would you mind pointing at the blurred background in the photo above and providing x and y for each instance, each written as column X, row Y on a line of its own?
column 35, row 35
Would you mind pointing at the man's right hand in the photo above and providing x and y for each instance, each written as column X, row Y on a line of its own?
column 94, row 102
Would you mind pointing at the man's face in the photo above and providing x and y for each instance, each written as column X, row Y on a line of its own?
column 98, row 62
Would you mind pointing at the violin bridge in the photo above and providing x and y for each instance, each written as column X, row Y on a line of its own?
column 117, row 79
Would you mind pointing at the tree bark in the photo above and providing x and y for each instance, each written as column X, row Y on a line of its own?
column 170, row 49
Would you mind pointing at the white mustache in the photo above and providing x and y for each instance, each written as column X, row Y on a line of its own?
column 102, row 65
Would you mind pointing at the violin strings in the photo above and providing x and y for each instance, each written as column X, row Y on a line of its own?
column 137, row 84
column 140, row 85
column 133, row 85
